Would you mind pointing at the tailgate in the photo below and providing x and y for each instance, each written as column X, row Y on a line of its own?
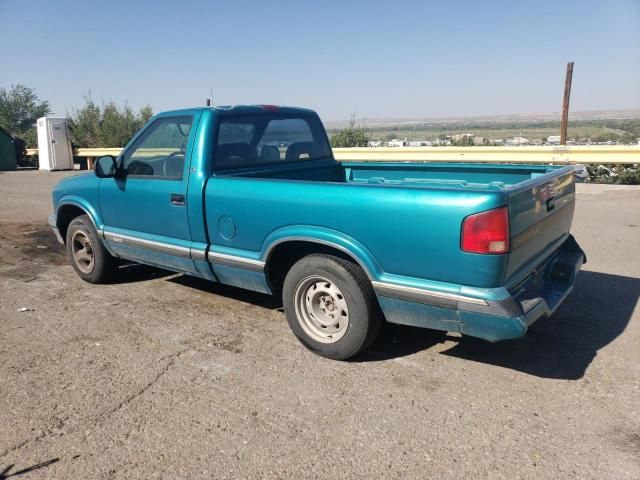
column 540, row 215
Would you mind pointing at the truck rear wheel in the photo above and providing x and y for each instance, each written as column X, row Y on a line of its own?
column 330, row 306
column 87, row 254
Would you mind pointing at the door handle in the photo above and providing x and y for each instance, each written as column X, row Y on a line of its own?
column 177, row 199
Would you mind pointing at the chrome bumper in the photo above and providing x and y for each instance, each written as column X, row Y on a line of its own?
column 52, row 220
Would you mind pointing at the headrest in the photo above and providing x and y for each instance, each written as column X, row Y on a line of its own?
column 235, row 155
column 269, row 153
column 295, row 150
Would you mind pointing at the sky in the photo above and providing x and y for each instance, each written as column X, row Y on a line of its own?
column 381, row 59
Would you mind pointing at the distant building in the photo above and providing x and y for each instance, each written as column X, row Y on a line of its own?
column 419, row 143
column 397, row 143
column 461, row 136
column 374, row 143
column 555, row 139
column 478, row 140
column 517, row 141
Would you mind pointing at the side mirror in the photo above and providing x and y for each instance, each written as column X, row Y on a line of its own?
column 106, row 167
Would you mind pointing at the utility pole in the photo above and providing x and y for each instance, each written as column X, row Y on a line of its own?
column 565, row 104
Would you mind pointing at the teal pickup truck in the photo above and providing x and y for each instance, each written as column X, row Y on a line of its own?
column 251, row 196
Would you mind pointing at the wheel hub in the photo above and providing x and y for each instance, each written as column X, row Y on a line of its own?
column 321, row 309
column 82, row 251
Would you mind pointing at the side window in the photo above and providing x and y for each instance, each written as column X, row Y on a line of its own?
column 160, row 150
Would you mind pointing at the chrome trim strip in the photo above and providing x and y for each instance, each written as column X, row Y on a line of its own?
column 423, row 295
column 198, row 254
column 100, row 233
column 235, row 261
column 150, row 244
column 53, row 224
column 508, row 307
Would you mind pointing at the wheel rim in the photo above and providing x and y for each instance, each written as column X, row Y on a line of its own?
column 321, row 309
column 82, row 251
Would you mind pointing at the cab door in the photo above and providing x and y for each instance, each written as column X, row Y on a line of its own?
column 144, row 209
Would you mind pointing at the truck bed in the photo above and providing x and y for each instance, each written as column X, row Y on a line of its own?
column 450, row 175
column 447, row 175
column 349, row 197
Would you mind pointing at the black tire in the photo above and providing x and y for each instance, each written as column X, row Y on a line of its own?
column 102, row 266
column 353, row 287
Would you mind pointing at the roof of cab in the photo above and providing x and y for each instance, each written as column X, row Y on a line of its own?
column 235, row 109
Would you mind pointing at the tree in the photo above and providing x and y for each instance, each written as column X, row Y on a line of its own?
column 355, row 135
column 465, row 141
column 145, row 114
column 106, row 126
column 85, row 124
column 20, row 107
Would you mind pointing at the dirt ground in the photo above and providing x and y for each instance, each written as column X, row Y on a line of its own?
column 164, row 376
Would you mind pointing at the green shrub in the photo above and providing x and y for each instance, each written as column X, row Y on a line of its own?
column 107, row 125
column 353, row 136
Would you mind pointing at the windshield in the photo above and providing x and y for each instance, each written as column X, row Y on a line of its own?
column 269, row 138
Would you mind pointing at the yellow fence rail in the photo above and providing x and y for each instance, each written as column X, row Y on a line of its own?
column 546, row 154
column 583, row 154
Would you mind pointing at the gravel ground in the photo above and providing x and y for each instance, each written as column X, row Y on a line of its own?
column 165, row 376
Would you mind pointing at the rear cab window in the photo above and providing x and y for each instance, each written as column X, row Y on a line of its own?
column 249, row 140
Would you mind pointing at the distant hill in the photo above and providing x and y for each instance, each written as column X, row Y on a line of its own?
column 485, row 120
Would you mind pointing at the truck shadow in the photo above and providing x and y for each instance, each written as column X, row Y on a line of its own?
column 130, row 272
column 269, row 302
column 561, row 347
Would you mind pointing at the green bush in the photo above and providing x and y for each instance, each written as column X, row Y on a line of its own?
column 106, row 125
column 615, row 174
column 353, row 136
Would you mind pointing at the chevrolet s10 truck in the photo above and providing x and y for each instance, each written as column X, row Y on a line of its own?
column 252, row 196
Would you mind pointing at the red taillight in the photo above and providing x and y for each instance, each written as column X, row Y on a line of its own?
column 269, row 108
column 486, row 232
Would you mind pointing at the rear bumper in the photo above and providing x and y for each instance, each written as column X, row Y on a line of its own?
column 52, row 221
column 503, row 313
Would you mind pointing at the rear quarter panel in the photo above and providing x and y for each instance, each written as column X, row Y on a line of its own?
column 410, row 232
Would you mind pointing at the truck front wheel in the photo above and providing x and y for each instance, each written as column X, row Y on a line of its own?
column 330, row 306
column 87, row 254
